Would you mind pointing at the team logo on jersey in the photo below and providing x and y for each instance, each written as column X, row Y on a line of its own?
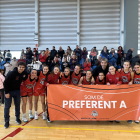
column 137, row 81
column 42, row 81
column 75, row 81
column 29, row 86
column 65, row 83
column 124, row 79
column 94, row 113
column 117, row 78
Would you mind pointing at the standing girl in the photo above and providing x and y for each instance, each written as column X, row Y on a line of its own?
column 40, row 90
column 26, row 90
column 2, row 78
column 87, row 80
column 65, row 77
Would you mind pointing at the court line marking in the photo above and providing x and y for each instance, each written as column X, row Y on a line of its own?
column 61, row 128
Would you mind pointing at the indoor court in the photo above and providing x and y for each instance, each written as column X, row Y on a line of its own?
column 66, row 130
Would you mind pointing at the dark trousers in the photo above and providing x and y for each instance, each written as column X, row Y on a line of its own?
column 2, row 95
column 16, row 95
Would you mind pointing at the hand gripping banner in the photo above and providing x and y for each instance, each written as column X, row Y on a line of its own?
column 93, row 102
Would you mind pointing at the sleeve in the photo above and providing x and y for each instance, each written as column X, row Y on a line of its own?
column 70, row 63
column 40, row 56
column 107, row 81
column 25, row 75
column 120, row 80
column 89, row 64
column 2, row 78
column 7, row 82
column 84, row 65
column 110, row 56
column 116, row 56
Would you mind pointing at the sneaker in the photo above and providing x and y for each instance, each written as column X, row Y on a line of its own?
column 18, row 121
column 130, row 121
column 48, row 119
column 117, row 121
column 136, row 121
column 36, row 116
column 2, row 104
column 31, row 116
column 24, row 118
column 44, row 117
column 6, row 125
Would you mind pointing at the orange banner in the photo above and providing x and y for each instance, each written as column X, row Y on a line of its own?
column 93, row 102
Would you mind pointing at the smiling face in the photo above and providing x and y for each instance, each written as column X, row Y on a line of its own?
column 101, row 76
column 45, row 70
column 33, row 74
column 112, row 70
column 66, row 72
column 103, row 64
column 77, row 69
column 88, row 74
column 137, row 69
column 126, row 65
column 21, row 68
column 56, row 70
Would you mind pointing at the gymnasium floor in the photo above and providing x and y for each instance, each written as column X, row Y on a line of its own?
column 42, row 130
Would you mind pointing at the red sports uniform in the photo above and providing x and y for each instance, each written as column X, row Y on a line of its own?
column 26, row 88
column 75, row 78
column 64, row 80
column 99, row 82
column 126, row 77
column 53, row 79
column 136, row 79
column 39, row 88
column 85, row 82
column 114, row 79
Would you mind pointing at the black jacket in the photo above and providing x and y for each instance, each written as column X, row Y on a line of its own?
column 134, row 60
column 129, row 55
column 61, row 53
column 14, row 79
column 53, row 53
column 29, row 55
column 63, row 65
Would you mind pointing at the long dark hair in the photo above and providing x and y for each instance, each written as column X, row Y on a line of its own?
column 91, row 75
column 47, row 73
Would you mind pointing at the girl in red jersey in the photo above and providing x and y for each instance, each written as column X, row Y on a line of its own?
column 26, row 90
column 100, row 80
column 53, row 78
column 87, row 80
column 113, row 77
column 136, row 80
column 65, row 77
column 126, row 75
column 40, row 90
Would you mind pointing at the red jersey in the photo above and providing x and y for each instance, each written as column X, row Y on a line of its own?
column 100, row 82
column 114, row 79
column 85, row 82
column 126, row 77
column 41, row 80
column 136, row 79
column 53, row 79
column 64, row 80
column 75, row 78
column 27, row 87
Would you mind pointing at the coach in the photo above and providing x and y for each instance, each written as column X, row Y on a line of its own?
column 102, row 68
column 12, row 89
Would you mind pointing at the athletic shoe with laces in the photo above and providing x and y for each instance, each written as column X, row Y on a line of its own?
column 48, row 119
column 136, row 121
column 130, row 121
column 31, row 116
column 36, row 116
column 18, row 121
column 6, row 125
column 24, row 118
column 44, row 117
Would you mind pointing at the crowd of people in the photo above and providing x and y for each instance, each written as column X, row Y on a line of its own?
column 33, row 72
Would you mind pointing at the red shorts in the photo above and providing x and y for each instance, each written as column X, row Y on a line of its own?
column 25, row 92
column 39, row 91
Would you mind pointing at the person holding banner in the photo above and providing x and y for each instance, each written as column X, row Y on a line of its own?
column 26, row 90
column 40, row 90
column 113, row 77
column 100, row 80
column 87, row 80
column 126, row 75
column 65, row 77
column 76, row 75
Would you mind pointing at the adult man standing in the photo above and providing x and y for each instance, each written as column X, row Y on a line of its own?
column 102, row 68
column 129, row 54
column 12, row 89
column 53, row 52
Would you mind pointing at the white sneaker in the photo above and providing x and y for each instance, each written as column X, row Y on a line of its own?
column 24, row 119
column 31, row 116
column 36, row 116
column 136, row 121
column 44, row 117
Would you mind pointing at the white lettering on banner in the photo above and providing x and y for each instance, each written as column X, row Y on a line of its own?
column 91, row 104
column 123, row 104
column 98, row 97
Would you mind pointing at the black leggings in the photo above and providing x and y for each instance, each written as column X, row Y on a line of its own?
column 2, row 95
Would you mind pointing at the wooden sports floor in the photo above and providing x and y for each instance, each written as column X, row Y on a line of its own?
column 63, row 130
